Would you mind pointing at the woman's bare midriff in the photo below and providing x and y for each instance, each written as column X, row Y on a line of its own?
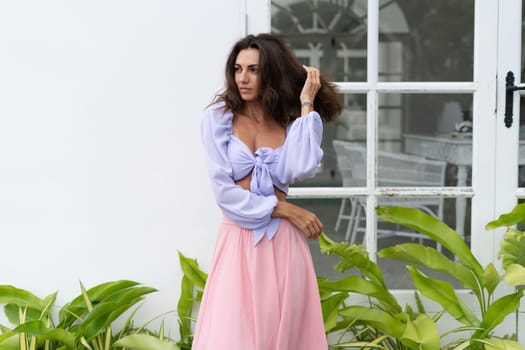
column 245, row 183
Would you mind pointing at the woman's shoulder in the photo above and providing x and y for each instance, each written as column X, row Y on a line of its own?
column 217, row 110
column 216, row 115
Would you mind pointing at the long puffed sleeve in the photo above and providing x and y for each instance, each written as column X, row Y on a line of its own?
column 247, row 209
column 302, row 153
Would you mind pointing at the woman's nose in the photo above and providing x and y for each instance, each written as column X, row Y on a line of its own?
column 243, row 76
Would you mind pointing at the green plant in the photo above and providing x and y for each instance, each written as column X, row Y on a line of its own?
column 192, row 286
column 84, row 323
column 382, row 323
column 467, row 271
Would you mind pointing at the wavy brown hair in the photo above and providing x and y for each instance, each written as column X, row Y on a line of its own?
column 282, row 79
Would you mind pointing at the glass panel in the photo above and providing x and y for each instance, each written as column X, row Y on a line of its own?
column 427, row 136
column 350, row 127
column 429, row 40
column 344, row 219
column 331, row 35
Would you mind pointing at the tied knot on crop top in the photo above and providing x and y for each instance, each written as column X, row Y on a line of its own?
column 229, row 160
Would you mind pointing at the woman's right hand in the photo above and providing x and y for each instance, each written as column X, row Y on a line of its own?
column 303, row 219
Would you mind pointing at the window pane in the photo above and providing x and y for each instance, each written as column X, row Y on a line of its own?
column 350, row 126
column 327, row 34
column 412, row 127
column 430, row 40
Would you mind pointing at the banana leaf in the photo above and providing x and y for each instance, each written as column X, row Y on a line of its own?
column 497, row 311
column 353, row 256
column 191, row 270
column 429, row 257
column 517, row 215
column 435, row 229
column 444, row 294
column 358, row 285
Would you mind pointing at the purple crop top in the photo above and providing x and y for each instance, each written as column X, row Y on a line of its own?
column 229, row 160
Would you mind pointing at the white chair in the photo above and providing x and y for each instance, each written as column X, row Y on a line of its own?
column 393, row 170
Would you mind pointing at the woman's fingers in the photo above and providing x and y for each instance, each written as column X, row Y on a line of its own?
column 312, row 84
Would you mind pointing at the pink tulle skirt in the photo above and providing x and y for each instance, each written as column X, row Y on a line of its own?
column 260, row 298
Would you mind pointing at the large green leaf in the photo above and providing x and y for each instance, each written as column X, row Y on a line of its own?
column 184, row 307
column 491, row 278
column 378, row 319
column 144, row 342
column 191, row 270
column 422, row 333
column 512, row 248
column 330, row 308
column 358, row 285
column 444, row 294
column 105, row 313
column 39, row 329
column 351, row 257
column 77, row 307
column 497, row 311
column 20, row 297
column 502, row 344
column 515, row 275
column 435, row 229
column 430, row 258
column 517, row 215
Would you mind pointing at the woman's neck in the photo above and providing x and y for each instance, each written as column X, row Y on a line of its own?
column 253, row 110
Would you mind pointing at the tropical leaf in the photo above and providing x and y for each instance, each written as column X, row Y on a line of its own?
column 496, row 313
column 378, row 319
column 191, row 270
column 517, row 215
column 145, row 342
column 501, row 344
column 430, row 258
column 358, row 285
column 21, row 298
column 71, row 312
column 435, row 229
column 444, row 294
column 330, row 309
column 352, row 257
column 422, row 333
column 515, row 275
column 491, row 278
column 184, row 307
column 512, row 248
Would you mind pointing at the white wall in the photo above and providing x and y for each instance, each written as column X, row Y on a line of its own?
column 102, row 174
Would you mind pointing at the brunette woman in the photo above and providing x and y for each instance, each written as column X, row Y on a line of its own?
column 261, row 134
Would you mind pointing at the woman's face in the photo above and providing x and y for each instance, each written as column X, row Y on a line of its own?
column 247, row 76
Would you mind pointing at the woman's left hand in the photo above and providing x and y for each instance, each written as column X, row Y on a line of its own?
column 311, row 86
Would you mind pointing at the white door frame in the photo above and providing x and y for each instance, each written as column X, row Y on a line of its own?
column 507, row 139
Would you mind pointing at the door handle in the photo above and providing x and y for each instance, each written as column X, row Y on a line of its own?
column 509, row 97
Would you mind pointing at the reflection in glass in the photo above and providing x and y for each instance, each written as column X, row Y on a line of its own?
column 327, row 34
column 427, row 40
column 336, row 227
column 412, row 127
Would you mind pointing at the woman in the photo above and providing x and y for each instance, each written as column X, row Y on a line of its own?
column 262, row 134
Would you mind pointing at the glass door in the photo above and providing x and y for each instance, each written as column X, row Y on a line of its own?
column 414, row 78
column 423, row 88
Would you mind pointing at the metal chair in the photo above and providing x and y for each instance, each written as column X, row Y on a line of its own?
column 393, row 170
